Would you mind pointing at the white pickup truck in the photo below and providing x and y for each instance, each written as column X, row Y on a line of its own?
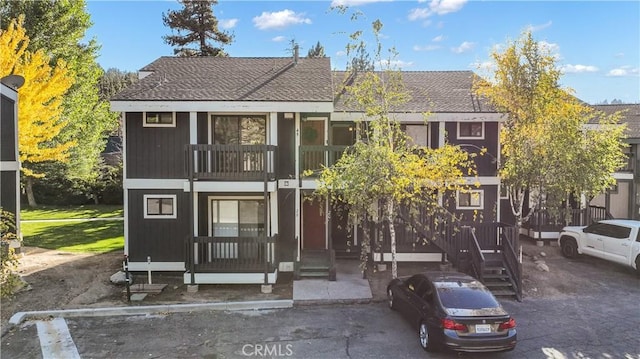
column 615, row 240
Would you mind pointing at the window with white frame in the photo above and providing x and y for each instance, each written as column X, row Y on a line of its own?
column 471, row 130
column 471, row 199
column 237, row 217
column 160, row 206
column 159, row 119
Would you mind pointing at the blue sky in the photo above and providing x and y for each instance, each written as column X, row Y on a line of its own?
column 596, row 43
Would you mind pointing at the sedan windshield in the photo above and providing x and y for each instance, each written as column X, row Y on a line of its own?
column 465, row 296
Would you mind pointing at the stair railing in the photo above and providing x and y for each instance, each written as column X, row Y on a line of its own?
column 475, row 252
column 513, row 266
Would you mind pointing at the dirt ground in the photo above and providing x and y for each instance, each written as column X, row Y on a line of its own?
column 59, row 280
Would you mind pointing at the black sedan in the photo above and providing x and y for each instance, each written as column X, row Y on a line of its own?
column 453, row 310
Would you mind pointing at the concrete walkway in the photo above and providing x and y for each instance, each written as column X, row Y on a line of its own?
column 349, row 286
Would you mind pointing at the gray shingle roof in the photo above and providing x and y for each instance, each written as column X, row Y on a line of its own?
column 233, row 79
column 434, row 91
column 630, row 116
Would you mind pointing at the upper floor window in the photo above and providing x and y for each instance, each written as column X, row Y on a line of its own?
column 472, row 199
column 159, row 119
column 471, row 130
column 159, row 206
column 239, row 130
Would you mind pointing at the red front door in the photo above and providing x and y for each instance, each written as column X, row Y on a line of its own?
column 313, row 225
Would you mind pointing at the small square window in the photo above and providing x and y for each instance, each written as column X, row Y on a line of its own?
column 470, row 199
column 159, row 119
column 472, row 130
column 160, row 206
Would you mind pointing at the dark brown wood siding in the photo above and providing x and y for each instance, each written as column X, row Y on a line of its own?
column 286, row 225
column 162, row 239
column 487, row 163
column 7, row 130
column 434, row 130
column 8, row 191
column 286, row 148
column 203, row 128
column 156, row 152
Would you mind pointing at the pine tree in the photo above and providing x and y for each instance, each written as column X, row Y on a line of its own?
column 316, row 51
column 195, row 23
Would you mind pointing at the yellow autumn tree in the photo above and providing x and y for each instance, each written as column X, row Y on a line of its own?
column 40, row 99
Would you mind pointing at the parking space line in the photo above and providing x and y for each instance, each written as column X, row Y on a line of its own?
column 55, row 339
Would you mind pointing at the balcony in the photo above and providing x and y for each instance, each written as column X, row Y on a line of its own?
column 233, row 254
column 314, row 158
column 230, row 162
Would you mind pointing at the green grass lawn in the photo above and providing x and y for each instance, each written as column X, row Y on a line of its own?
column 75, row 212
column 73, row 236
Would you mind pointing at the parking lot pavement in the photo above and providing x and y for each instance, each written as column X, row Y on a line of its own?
column 588, row 326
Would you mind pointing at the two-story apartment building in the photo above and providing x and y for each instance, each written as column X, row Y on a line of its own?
column 9, row 157
column 215, row 148
column 623, row 200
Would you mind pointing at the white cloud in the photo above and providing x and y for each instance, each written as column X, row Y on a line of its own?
column 464, row 47
column 576, row 69
column 394, row 64
column 549, row 46
column 335, row 3
column 619, row 55
column 534, row 28
column 438, row 38
column 624, row 71
column 278, row 39
column 488, row 66
column 437, row 7
column 228, row 23
column 279, row 19
column 442, row 7
column 341, row 53
column 418, row 13
column 425, row 47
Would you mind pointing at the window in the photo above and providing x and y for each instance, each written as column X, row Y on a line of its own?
column 472, row 199
column 160, row 206
column 237, row 217
column 471, row 130
column 239, row 130
column 504, row 191
column 159, row 119
column 609, row 230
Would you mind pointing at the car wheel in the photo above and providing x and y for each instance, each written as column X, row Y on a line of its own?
column 425, row 339
column 569, row 248
column 392, row 304
column 638, row 266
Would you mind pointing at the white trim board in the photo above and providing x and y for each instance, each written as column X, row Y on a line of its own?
column 150, row 183
column 221, row 106
column 231, row 278
column 156, row 266
column 419, row 117
column 410, row 257
column 224, row 186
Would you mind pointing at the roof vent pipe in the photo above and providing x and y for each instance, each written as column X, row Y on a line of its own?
column 296, row 54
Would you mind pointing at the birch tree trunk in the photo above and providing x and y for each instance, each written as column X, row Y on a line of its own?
column 392, row 237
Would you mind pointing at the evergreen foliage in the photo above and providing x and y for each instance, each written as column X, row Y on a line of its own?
column 316, row 51
column 195, row 24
